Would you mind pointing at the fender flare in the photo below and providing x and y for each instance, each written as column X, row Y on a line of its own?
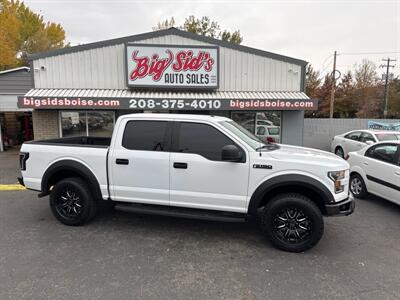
column 288, row 180
column 74, row 166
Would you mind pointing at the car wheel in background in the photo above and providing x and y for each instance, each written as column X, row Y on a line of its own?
column 71, row 202
column 357, row 186
column 292, row 222
column 339, row 152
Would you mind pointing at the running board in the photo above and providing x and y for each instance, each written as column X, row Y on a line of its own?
column 182, row 212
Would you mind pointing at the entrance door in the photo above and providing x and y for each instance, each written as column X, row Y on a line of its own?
column 199, row 178
column 139, row 163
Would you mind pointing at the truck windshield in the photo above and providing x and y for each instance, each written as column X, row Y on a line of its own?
column 249, row 138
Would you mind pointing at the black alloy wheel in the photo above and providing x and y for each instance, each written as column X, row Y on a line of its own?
column 292, row 222
column 71, row 202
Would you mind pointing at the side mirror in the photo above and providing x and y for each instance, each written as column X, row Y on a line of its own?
column 231, row 153
column 369, row 142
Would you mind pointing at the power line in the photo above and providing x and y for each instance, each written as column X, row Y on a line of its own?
column 368, row 53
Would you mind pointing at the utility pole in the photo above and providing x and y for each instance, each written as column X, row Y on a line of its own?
column 386, row 94
column 333, row 86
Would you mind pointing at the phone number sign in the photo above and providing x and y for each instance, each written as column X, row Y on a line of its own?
column 172, row 66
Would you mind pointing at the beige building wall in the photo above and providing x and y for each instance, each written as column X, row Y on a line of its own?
column 45, row 124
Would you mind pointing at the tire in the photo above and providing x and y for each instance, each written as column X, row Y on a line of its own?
column 357, row 186
column 339, row 152
column 292, row 222
column 72, row 203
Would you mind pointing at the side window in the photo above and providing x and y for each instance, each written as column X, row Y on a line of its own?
column 145, row 135
column 260, row 130
column 383, row 152
column 202, row 139
column 355, row 135
column 366, row 137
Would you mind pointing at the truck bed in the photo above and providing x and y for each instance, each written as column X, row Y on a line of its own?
column 76, row 141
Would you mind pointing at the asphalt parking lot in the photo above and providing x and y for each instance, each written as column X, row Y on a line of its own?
column 127, row 256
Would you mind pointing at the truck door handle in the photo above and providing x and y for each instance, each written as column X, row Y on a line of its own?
column 180, row 165
column 397, row 173
column 122, row 161
column 365, row 163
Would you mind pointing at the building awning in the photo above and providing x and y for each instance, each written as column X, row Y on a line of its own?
column 175, row 100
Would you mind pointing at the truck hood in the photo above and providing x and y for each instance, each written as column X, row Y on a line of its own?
column 308, row 156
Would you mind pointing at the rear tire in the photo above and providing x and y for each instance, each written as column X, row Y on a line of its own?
column 72, row 203
column 292, row 222
column 339, row 152
column 357, row 186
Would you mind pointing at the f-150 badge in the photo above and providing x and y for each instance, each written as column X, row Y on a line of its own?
column 258, row 166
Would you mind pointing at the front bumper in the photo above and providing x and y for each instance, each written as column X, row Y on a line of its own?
column 342, row 208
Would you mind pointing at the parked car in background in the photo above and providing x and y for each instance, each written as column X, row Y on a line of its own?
column 269, row 133
column 376, row 170
column 357, row 139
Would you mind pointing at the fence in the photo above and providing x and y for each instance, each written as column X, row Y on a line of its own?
column 318, row 133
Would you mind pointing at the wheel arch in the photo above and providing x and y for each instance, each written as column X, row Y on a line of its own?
column 65, row 169
column 290, row 183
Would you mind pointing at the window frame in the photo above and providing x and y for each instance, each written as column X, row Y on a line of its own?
column 167, row 140
column 395, row 160
column 175, row 139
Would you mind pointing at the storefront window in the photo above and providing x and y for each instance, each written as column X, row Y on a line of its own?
column 86, row 123
column 266, row 125
column 100, row 123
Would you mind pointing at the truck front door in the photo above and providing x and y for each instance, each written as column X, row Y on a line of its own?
column 139, row 162
column 199, row 178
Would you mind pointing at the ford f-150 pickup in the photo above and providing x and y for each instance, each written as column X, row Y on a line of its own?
column 193, row 166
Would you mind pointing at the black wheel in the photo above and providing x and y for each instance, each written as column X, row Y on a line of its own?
column 72, row 203
column 339, row 152
column 292, row 222
column 357, row 186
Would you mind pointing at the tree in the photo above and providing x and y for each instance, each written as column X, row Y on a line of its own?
column 366, row 91
column 345, row 104
column 312, row 81
column 23, row 31
column 204, row 26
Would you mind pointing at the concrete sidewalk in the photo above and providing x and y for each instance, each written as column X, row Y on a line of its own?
column 9, row 166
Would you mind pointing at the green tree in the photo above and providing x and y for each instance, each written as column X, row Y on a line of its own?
column 203, row 26
column 23, row 31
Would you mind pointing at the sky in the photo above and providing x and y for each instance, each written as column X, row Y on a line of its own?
column 309, row 30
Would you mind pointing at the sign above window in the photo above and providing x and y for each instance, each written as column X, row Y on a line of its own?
column 172, row 66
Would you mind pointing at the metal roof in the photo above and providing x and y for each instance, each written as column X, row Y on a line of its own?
column 100, row 93
column 164, row 32
column 15, row 70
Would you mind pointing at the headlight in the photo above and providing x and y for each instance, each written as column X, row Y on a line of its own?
column 337, row 177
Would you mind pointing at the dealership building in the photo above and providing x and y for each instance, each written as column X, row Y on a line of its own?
column 82, row 90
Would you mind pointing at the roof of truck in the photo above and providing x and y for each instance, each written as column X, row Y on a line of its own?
column 175, row 116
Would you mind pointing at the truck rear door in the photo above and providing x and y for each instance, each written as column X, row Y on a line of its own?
column 139, row 162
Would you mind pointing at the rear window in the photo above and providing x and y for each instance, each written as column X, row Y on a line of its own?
column 387, row 136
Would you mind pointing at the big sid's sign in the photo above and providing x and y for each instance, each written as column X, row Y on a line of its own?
column 149, row 65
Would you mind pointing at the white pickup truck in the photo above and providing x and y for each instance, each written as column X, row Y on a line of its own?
column 192, row 166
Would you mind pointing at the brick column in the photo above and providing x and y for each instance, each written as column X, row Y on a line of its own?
column 45, row 124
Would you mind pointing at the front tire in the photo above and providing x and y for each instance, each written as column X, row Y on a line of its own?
column 292, row 222
column 72, row 203
column 357, row 186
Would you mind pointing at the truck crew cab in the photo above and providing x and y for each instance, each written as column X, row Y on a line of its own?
column 191, row 166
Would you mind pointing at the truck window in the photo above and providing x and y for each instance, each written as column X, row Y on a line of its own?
column 202, row 139
column 145, row 135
